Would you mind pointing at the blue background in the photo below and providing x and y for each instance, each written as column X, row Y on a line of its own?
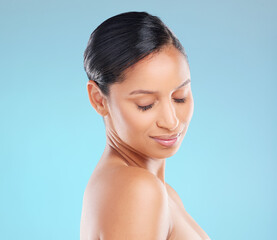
column 51, row 138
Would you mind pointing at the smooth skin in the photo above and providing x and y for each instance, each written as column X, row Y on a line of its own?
column 127, row 196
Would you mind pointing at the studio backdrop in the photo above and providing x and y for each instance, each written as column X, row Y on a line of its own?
column 225, row 170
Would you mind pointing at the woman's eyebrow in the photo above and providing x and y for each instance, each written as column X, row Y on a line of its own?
column 140, row 91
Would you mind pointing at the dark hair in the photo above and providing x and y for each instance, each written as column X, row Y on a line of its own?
column 121, row 41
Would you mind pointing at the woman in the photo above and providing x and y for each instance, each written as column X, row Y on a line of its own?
column 139, row 82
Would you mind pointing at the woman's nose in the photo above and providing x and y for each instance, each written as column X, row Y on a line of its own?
column 167, row 117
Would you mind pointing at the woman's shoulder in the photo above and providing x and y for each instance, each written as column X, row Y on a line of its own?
column 125, row 180
column 128, row 198
column 174, row 195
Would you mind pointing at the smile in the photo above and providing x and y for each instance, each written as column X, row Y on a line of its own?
column 166, row 142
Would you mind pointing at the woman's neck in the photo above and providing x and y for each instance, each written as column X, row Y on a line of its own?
column 118, row 151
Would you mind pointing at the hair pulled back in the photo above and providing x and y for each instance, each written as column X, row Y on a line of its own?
column 121, row 41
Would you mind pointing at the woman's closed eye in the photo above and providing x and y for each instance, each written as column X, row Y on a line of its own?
column 144, row 108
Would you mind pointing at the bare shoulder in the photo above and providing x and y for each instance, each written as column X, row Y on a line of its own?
column 124, row 179
column 131, row 181
column 130, row 203
column 174, row 195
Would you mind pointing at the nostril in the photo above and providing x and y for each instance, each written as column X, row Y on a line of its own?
column 170, row 124
column 167, row 118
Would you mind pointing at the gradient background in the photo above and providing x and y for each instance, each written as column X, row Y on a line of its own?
column 51, row 138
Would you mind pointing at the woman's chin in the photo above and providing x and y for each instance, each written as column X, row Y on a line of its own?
column 165, row 152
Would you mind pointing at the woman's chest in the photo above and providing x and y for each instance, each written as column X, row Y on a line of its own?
column 183, row 226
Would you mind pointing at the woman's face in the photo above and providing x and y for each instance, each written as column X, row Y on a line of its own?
column 153, row 104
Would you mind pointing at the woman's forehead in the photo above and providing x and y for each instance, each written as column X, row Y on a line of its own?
column 166, row 67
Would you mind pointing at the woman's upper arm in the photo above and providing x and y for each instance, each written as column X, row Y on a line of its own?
column 135, row 210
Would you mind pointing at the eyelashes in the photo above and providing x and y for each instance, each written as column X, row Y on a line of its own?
column 145, row 108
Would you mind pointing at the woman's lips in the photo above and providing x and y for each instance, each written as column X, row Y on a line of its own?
column 166, row 142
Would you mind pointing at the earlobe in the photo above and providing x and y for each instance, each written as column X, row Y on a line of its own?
column 96, row 98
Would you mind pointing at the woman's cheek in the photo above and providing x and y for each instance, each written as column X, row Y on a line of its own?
column 190, row 109
column 131, row 117
column 186, row 111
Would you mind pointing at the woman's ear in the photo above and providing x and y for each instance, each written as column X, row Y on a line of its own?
column 96, row 98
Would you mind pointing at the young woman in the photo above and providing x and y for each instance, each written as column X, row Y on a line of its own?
column 139, row 82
